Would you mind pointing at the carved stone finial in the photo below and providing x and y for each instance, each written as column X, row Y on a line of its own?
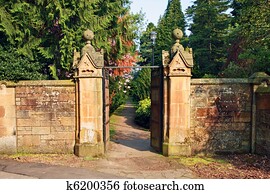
column 177, row 34
column 96, row 56
column 88, row 35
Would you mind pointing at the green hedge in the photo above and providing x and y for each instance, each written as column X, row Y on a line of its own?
column 143, row 112
column 141, row 84
column 14, row 67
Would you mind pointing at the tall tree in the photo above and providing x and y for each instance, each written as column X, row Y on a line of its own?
column 48, row 30
column 249, row 41
column 146, row 45
column 172, row 18
column 209, row 29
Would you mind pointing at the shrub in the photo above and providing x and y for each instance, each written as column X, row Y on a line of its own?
column 143, row 112
column 141, row 85
column 119, row 89
column 235, row 71
column 14, row 67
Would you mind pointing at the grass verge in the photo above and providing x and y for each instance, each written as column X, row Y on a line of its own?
column 113, row 120
column 191, row 161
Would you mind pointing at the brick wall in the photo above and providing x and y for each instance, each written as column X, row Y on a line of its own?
column 262, row 123
column 220, row 115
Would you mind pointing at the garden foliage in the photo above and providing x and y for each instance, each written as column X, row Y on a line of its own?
column 14, row 67
column 143, row 112
column 141, row 85
column 48, row 31
column 119, row 90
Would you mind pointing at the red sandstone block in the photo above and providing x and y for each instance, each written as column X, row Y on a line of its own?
column 28, row 102
column 41, row 130
column 3, row 131
column 28, row 122
column 49, row 123
column 66, row 121
column 24, row 131
column 66, row 97
column 64, row 135
column 56, row 129
column 207, row 112
column 202, row 112
column 28, row 140
column 19, row 107
column 22, row 90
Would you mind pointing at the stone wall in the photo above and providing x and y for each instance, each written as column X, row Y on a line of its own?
column 262, row 145
column 41, row 114
column 220, row 115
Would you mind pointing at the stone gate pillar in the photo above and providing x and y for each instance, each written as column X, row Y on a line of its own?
column 89, row 100
column 177, row 77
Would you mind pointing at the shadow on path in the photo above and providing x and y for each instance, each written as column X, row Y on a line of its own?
column 128, row 133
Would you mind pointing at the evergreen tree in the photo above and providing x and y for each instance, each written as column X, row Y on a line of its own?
column 209, row 29
column 141, row 85
column 146, row 45
column 48, row 31
column 249, row 40
column 173, row 18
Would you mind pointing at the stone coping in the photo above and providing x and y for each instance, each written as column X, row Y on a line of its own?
column 263, row 90
column 218, row 81
column 39, row 83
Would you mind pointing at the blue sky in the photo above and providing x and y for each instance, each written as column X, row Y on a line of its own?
column 153, row 9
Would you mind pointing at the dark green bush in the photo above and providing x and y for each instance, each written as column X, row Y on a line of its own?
column 14, row 67
column 141, row 85
column 235, row 71
column 143, row 112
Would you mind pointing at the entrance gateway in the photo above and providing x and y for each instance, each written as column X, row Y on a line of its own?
column 170, row 102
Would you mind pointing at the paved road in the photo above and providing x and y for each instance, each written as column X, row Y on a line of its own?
column 10, row 169
column 129, row 156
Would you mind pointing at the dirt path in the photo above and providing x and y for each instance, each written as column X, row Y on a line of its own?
column 131, row 156
column 133, row 140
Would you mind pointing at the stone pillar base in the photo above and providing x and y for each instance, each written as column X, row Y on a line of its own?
column 87, row 149
column 169, row 149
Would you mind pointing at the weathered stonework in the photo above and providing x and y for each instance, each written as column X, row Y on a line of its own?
column 45, row 115
column 37, row 117
column 176, row 140
column 220, row 115
column 89, row 82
